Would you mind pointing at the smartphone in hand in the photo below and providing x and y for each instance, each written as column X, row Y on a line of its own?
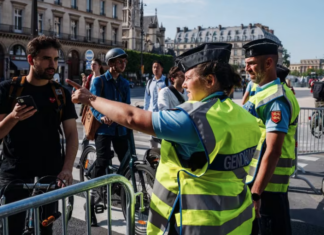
column 26, row 100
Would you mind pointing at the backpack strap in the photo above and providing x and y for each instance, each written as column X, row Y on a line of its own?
column 16, row 87
column 176, row 93
column 148, row 86
column 59, row 96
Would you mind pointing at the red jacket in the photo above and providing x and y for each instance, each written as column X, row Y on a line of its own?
column 88, row 82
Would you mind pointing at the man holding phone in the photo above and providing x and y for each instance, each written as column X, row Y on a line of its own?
column 30, row 124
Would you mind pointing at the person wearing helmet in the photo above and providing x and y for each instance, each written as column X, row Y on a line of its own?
column 112, row 86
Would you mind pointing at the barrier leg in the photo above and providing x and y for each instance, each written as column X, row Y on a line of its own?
column 36, row 221
column 64, row 216
column 130, row 212
column 88, row 212
column 5, row 226
column 109, row 208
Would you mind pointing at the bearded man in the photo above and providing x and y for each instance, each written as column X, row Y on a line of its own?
column 31, row 133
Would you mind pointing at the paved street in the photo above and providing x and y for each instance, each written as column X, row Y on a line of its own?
column 307, row 208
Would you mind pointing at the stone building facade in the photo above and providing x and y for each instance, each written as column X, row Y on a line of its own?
column 153, row 33
column 237, row 35
column 94, row 25
column 304, row 65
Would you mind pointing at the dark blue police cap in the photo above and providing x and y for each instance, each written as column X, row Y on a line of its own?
column 282, row 72
column 204, row 53
column 259, row 47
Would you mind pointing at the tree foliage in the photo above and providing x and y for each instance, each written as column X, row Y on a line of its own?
column 134, row 62
column 285, row 58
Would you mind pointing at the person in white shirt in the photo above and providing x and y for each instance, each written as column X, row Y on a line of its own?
column 174, row 95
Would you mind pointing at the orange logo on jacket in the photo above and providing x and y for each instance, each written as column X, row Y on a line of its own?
column 276, row 116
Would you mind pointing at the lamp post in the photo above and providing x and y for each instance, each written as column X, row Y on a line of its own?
column 34, row 26
column 142, row 32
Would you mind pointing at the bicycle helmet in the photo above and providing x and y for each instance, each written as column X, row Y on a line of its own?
column 115, row 53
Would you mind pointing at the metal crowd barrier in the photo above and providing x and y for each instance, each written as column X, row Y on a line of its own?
column 61, row 194
column 311, row 131
column 310, row 138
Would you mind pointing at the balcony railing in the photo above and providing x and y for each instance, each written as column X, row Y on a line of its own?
column 74, row 7
column 102, row 13
column 62, row 36
column 89, row 10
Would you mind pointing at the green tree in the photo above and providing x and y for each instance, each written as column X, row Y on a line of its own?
column 295, row 73
column 285, row 58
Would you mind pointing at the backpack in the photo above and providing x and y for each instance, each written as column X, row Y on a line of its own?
column 166, row 83
column 17, row 86
column 318, row 91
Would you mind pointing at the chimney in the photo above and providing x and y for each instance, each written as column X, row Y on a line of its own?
column 220, row 27
column 250, row 26
column 199, row 28
column 178, row 29
column 271, row 31
column 185, row 29
column 242, row 26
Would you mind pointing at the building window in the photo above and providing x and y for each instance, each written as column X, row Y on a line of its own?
column 102, row 56
column 229, row 38
column 18, row 20
column 191, row 46
column 58, row 2
column 74, row 4
column 235, row 62
column 207, row 39
column 40, row 23
column 89, row 31
column 115, row 11
column 102, row 8
column 74, row 29
column 243, row 52
column 57, row 26
column 243, row 62
column 237, row 38
column 102, row 33
column 186, row 40
column 184, row 46
column 235, row 52
column 89, row 6
column 214, row 39
column 114, row 35
column 18, row 50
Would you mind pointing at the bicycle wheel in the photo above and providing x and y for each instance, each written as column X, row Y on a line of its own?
column 144, row 178
column 87, row 160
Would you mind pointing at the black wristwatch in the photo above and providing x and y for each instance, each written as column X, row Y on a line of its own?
column 256, row 197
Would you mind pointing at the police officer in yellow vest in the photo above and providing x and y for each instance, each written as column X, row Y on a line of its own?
column 276, row 109
column 208, row 143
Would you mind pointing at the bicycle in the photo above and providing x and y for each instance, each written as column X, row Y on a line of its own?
column 139, row 172
column 37, row 188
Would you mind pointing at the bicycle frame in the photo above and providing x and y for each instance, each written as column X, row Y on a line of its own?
column 33, row 214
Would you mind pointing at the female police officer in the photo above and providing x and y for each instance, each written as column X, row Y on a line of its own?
column 208, row 143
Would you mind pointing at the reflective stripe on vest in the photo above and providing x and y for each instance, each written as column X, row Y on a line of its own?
column 286, row 165
column 213, row 197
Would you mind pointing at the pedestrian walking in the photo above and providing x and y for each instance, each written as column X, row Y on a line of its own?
column 31, row 134
column 276, row 108
column 153, row 87
column 207, row 146
column 112, row 86
column 175, row 94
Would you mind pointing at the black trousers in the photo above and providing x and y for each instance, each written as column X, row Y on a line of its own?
column 275, row 215
column 104, row 155
column 17, row 222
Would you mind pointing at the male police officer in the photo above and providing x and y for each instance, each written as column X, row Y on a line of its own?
column 276, row 108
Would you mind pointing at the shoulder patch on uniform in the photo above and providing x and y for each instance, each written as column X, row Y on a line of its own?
column 276, row 116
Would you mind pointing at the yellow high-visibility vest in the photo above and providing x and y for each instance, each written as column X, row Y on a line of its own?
column 211, row 192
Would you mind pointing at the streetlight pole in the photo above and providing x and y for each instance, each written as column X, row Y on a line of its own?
column 141, row 22
column 34, row 26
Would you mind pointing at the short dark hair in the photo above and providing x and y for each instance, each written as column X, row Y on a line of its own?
column 158, row 62
column 173, row 73
column 40, row 43
column 224, row 73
